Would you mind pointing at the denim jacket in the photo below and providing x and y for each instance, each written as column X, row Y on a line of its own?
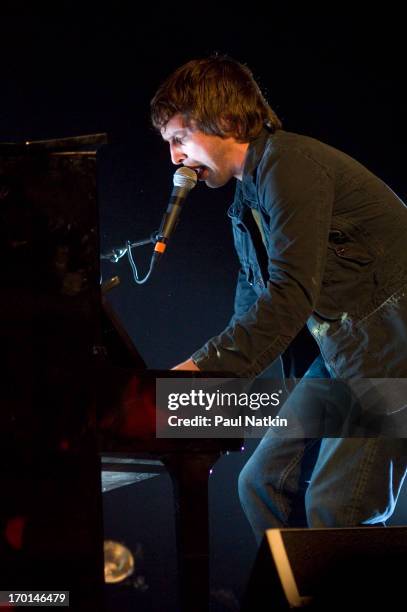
column 331, row 255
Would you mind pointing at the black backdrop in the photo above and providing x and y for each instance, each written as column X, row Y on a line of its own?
column 337, row 77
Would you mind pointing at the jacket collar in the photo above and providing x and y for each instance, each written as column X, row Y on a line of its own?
column 246, row 189
column 253, row 157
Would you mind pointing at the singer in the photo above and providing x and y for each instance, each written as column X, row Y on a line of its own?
column 321, row 243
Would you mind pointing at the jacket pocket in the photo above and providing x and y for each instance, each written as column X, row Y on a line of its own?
column 346, row 248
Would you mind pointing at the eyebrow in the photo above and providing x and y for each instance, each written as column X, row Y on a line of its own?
column 180, row 131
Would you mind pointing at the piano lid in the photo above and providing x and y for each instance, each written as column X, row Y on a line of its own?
column 69, row 145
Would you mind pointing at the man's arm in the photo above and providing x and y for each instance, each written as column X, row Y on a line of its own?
column 297, row 194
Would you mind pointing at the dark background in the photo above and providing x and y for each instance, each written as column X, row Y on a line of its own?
column 336, row 77
column 330, row 74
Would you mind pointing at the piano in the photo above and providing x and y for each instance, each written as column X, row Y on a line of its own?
column 75, row 390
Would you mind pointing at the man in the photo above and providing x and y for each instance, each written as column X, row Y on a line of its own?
column 321, row 242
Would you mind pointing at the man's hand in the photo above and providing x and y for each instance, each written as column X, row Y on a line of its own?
column 186, row 365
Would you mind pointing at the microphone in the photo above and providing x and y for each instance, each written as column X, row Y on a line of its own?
column 185, row 179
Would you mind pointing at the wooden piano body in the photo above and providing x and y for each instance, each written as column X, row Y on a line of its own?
column 74, row 388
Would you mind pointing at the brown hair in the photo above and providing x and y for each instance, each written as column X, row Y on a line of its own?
column 219, row 95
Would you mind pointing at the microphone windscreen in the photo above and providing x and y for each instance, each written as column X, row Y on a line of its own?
column 185, row 177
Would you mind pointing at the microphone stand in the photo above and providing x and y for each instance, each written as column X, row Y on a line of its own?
column 117, row 253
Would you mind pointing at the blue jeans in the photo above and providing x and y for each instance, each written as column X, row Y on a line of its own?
column 328, row 482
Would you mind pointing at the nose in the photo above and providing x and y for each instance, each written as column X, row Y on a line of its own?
column 177, row 156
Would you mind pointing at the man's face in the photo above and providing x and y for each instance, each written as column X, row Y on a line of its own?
column 210, row 156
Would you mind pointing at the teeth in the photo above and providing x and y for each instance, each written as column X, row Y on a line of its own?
column 199, row 170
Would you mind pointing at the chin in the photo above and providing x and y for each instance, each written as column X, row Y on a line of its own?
column 214, row 183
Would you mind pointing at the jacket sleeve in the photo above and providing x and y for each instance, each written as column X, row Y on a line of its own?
column 296, row 193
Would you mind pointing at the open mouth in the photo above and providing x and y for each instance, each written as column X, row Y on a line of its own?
column 202, row 172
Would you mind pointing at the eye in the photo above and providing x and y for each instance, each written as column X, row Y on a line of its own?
column 178, row 141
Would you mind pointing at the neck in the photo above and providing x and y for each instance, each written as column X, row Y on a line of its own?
column 240, row 151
